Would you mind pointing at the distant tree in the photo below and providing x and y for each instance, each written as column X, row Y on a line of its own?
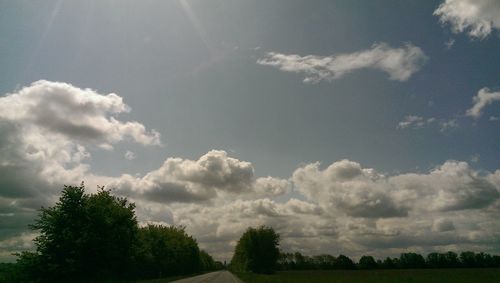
column 451, row 259
column 468, row 259
column 207, row 261
column 344, row 262
column 367, row 262
column 169, row 250
column 434, row 260
column 300, row 261
column 388, row 263
column 411, row 260
column 257, row 250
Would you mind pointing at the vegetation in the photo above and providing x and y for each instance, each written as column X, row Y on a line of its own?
column 95, row 237
column 470, row 275
column 297, row 261
column 256, row 251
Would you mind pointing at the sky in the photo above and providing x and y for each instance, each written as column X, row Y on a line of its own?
column 354, row 127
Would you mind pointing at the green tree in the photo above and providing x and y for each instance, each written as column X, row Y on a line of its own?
column 411, row 260
column 207, row 262
column 83, row 236
column 367, row 262
column 168, row 250
column 257, row 250
column 344, row 262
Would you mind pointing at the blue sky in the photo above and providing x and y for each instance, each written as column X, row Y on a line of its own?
column 203, row 76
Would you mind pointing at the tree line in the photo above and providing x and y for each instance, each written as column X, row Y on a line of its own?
column 258, row 251
column 468, row 259
column 96, row 237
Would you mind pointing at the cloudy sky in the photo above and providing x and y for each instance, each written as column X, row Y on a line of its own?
column 355, row 127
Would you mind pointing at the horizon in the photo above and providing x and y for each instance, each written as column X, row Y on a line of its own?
column 351, row 128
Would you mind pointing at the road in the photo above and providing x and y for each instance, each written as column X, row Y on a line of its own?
column 212, row 277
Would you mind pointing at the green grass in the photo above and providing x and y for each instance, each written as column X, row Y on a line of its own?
column 487, row 275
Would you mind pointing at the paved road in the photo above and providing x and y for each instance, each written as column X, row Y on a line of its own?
column 212, row 277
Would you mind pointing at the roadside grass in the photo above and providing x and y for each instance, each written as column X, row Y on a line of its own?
column 473, row 275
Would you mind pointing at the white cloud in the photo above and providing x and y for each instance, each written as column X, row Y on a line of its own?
column 449, row 44
column 130, row 155
column 413, row 121
column 476, row 17
column 400, row 63
column 447, row 125
column 343, row 208
column 184, row 181
column 483, row 98
column 418, row 122
column 45, row 129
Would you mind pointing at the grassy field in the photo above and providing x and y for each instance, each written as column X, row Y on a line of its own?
column 379, row 276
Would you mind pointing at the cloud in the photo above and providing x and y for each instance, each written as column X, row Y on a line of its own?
column 447, row 125
column 414, row 121
column 443, row 225
column 399, row 63
column 476, row 17
column 418, row 122
column 449, row 44
column 45, row 130
column 483, row 98
column 213, row 174
column 343, row 207
column 130, row 155
column 346, row 187
column 76, row 114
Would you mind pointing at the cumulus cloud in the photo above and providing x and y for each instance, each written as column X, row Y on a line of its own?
column 347, row 188
column 341, row 208
column 399, row 63
column 476, row 17
column 45, row 129
column 483, row 98
column 77, row 114
column 215, row 173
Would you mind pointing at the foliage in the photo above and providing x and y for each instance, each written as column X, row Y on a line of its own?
column 367, row 262
column 257, row 251
column 95, row 237
column 167, row 251
column 297, row 261
column 411, row 260
column 207, row 262
column 472, row 275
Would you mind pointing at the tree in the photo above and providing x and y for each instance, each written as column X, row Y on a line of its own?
column 168, row 250
column 344, row 262
column 84, row 236
column 468, row 259
column 207, row 261
column 411, row 260
column 367, row 262
column 257, row 250
column 388, row 263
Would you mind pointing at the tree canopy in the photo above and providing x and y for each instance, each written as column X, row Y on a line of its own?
column 92, row 237
column 257, row 250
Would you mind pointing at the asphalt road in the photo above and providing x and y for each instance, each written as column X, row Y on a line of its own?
column 212, row 277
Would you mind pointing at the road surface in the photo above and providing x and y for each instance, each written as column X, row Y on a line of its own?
column 212, row 277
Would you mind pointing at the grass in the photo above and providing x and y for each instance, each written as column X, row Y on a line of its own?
column 486, row 275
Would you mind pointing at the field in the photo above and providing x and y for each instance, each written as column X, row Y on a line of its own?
column 490, row 275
